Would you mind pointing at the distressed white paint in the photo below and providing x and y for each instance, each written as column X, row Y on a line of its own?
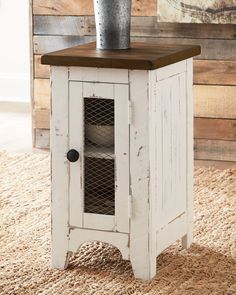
column 171, row 232
column 85, row 74
column 154, row 162
column 99, row 90
column 141, row 253
column 121, row 93
column 170, row 70
column 76, row 141
column 80, row 236
column 99, row 222
column 59, row 166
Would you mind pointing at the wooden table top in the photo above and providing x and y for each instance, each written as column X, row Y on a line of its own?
column 141, row 56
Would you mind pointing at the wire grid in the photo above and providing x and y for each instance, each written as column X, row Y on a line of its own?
column 99, row 164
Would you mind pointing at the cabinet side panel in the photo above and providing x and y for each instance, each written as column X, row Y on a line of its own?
column 170, row 146
column 59, row 166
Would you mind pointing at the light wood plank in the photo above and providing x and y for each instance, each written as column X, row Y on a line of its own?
column 40, row 71
column 195, row 11
column 41, row 119
column 212, row 72
column 220, row 129
column 42, row 139
column 85, row 7
column 42, row 93
column 215, row 101
column 62, row 7
column 218, row 150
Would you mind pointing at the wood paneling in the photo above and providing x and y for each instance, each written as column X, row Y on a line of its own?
column 215, row 72
column 41, row 119
column 197, row 11
column 42, row 94
column 204, row 128
column 40, row 71
column 220, row 129
column 140, row 26
column 45, row 44
column 42, row 139
column 85, row 7
column 215, row 101
column 211, row 49
column 207, row 149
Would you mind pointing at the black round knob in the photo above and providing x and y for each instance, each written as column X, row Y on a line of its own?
column 72, row 156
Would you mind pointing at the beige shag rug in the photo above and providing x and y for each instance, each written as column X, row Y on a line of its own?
column 208, row 267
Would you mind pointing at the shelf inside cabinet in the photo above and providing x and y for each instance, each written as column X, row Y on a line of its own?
column 100, row 152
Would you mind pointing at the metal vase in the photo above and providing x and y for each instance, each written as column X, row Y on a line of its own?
column 113, row 19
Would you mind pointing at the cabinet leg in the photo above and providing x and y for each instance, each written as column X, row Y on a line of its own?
column 187, row 240
column 143, row 267
column 61, row 261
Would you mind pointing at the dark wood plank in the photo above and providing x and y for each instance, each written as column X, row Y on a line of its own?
column 212, row 72
column 219, row 129
column 141, row 56
column 195, row 11
column 219, row 150
column 142, row 26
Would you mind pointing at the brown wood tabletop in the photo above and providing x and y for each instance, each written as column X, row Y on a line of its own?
column 141, row 56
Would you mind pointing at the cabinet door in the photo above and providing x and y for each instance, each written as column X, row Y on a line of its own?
column 99, row 180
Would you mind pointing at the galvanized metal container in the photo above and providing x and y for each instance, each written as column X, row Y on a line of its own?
column 113, row 19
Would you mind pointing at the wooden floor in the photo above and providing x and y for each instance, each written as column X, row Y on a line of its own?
column 15, row 128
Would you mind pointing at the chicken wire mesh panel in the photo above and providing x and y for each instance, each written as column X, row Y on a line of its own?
column 99, row 164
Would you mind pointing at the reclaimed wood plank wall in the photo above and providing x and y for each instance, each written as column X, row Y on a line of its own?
column 62, row 23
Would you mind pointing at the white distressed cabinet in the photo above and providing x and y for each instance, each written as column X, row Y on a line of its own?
column 122, row 150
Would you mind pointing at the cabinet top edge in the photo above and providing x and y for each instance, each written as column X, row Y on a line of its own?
column 141, row 56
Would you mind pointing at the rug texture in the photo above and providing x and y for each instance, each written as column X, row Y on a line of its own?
column 208, row 267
